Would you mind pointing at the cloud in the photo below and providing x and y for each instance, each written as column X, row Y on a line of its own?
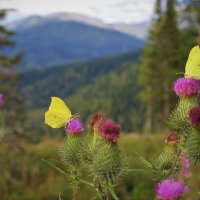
column 128, row 11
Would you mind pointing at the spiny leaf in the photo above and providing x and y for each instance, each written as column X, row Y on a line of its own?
column 56, row 168
column 144, row 161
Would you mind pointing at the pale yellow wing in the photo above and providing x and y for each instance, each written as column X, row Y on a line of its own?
column 58, row 113
column 192, row 68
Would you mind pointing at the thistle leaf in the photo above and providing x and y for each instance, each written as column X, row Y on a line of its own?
column 56, row 168
column 144, row 161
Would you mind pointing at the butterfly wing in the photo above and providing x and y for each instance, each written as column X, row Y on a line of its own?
column 193, row 64
column 58, row 113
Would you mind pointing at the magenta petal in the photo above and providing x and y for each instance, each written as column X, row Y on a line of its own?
column 110, row 130
column 1, row 99
column 186, row 87
column 169, row 189
column 75, row 126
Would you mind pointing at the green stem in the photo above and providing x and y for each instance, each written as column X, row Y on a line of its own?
column 99, row 189
column 75, row 195
column 177, row 158
column 1, row 125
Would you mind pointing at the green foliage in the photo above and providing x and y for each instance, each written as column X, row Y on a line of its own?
column 108, row 85
column 115, row 94
column 69, row 78
column 178, row 121
column 163, row 162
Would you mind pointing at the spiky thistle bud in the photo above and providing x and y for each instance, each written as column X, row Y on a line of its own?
column 178, row 120
column 71, row 151
column 172, row 139
column 108, row 163
column 96, row 121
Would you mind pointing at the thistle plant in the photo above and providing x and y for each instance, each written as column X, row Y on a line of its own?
column 92, row 149
column 172, row 165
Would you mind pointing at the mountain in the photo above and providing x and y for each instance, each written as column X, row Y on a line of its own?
column 138, row 30
column 65, row 38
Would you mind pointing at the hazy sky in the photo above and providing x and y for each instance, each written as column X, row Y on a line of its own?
column 107, row 10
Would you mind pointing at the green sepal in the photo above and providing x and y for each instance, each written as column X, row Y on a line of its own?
column 71, row 151
column 108, row 162
column 178, row 120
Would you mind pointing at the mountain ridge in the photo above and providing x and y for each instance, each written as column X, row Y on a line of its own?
column 134, row 29
column 54, row 41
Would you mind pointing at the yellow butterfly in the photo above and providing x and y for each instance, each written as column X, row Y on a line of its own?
column 192, row 69
column 58, row 114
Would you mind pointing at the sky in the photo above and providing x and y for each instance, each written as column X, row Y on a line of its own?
column 110, row 11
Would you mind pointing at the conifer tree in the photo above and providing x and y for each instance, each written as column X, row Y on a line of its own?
column 149, row 73
column 159, row 65
column 170, row 64
column 9, row 79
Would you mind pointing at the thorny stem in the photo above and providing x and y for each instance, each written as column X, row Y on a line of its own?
column 177, row 158
column 75, row 195
column 99, row 187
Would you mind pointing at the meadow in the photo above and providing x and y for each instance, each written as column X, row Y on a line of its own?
column 24, row 176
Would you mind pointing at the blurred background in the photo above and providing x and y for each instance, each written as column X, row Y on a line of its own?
column 116, row 56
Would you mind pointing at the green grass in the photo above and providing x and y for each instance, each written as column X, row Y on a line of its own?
column 25, row 177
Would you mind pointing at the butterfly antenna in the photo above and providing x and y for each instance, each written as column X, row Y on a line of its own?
column 180, row 73
column 75, row 116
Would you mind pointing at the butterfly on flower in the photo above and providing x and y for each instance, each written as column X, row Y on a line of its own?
column 192, row 69
column 58, row 114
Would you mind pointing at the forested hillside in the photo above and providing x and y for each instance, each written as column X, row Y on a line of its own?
column 107, row 84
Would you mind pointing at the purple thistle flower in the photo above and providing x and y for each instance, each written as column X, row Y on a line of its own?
column 74, row 126
column 186, row 87
column 1, row 99
column 110, row 131
column 170, row 190
column 194, row 116
column 185, row 169
column 185, row 161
